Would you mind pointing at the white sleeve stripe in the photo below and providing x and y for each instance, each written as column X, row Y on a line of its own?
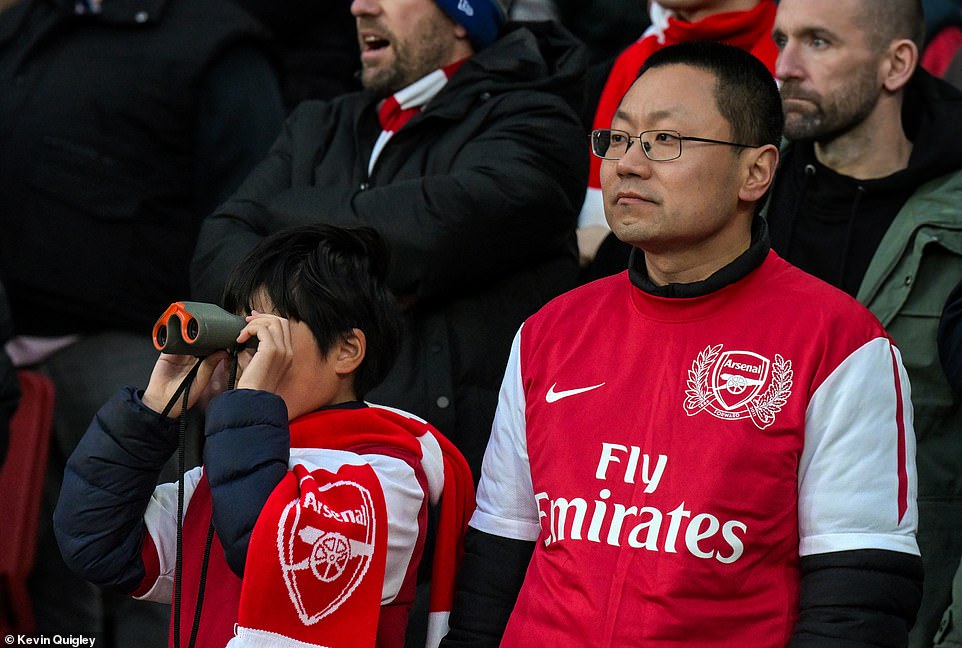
column 432, row 460
column 513, row 529
column 851, row 542
column 856, row 475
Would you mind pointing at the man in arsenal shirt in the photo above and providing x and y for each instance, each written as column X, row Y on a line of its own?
column 712, row 448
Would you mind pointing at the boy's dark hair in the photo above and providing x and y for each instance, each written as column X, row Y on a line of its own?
column 333, row 280
column 745, row 91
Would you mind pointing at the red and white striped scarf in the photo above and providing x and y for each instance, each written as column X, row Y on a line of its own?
column 316, row 559
column 395, row 111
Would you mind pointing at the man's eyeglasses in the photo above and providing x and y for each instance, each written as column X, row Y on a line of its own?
column 658, row 145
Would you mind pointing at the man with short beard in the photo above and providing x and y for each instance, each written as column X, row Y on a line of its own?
column 869, row 198
column 464, row 151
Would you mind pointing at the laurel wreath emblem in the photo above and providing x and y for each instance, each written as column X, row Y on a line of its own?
column 698, row 394
column 772, row 401
column 762, row 410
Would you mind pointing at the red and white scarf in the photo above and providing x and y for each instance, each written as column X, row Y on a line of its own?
column 395, row 111
column 316, row 559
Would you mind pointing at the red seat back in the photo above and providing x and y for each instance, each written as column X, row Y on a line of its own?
column 21, row 487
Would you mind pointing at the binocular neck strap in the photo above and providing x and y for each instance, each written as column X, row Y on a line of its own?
column 184, row 388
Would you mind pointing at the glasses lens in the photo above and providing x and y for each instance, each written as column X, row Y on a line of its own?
column 600, row 142
column 610, row 144
column 661, row 145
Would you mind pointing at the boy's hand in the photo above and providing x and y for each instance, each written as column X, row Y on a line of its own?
column 273, row 356
column 169, row 371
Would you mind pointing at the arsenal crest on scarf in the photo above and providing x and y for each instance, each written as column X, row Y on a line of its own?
column 329, row 531
column 325, row 542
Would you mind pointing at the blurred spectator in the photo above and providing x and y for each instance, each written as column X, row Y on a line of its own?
column 943, row 34
column 122, row 124
column 954, row 72
column 605, row 26
column 869, row 198
column 318, row 48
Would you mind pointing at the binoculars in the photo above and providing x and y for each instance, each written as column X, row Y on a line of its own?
column 197, row 329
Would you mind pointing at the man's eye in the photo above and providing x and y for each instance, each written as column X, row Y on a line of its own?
column 661, row 138
column 618, row 138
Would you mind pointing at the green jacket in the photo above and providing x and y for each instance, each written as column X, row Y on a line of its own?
column 917, row 264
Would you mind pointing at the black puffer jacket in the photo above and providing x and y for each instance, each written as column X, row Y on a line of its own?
column 111, row 475
column 477, row 197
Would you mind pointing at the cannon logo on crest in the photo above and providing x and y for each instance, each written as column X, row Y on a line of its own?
column 734, row 385
column 325, row 541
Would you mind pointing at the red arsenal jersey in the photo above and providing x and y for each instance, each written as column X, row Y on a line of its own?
column 673, row 458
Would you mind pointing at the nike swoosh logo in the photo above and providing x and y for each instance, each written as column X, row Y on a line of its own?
column 554, row 396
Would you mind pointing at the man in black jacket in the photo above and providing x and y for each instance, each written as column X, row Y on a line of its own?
column 122, row 124
column 471, row 175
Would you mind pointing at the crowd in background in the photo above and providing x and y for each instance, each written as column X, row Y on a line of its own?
column 146, row 145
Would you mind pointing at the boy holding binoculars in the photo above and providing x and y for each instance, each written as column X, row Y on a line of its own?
column 307, row 521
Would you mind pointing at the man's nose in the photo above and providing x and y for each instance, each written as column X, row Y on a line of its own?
column 788, row 63
column 634, row 161
column 364, row 7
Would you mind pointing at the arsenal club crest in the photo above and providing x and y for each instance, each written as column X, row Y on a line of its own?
column 738, row 384
column 326, row 541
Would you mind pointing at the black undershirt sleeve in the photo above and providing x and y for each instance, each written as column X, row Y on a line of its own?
column 858, row 599
column 490, row 578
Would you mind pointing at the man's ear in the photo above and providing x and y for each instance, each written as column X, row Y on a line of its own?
column 901, row 59
column 349, row 352
column 762, row 163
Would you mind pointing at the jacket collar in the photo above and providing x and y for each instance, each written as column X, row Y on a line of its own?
column 927, row 218
column 738, row 269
